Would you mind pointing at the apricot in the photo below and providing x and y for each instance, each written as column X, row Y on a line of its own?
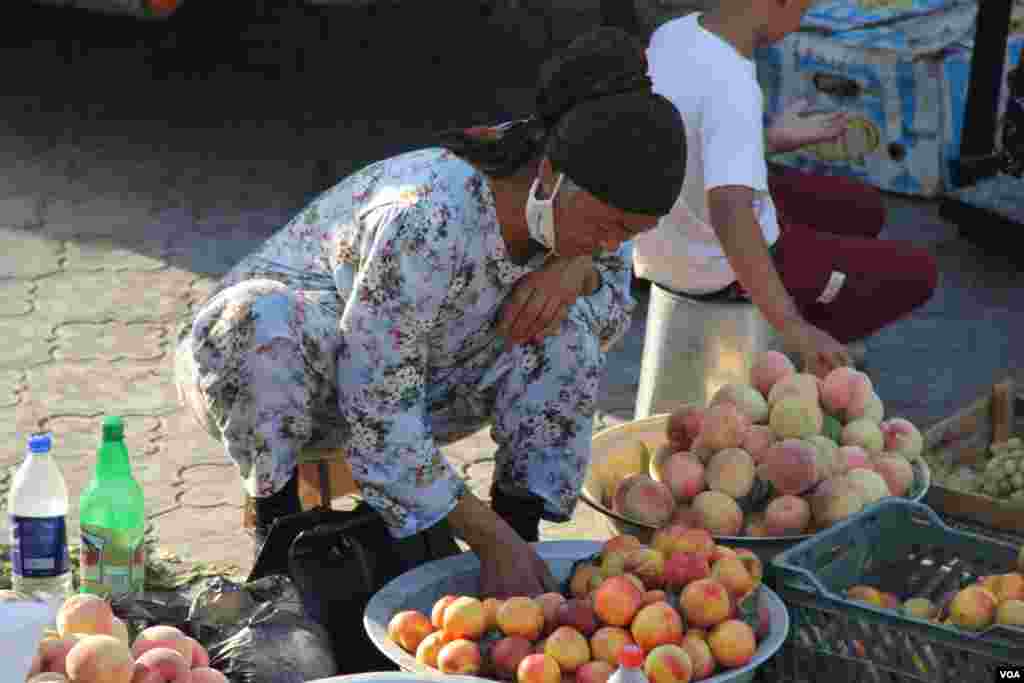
column 429, row 647
column 705, row 603
column 568, row 647
column 758, row 438
column 648, row 565
column 538, row 668
column 437, row 611
column 521, row 616
column 464, row 619
column 163, row 636
column 623, row 543
column 790, row 466
column 837, row 389
column 625, row 460
column 973, row 608
column 595, row 671
column 732, row 643
column 647, row 501
column 85, row 614
column 731, row 471
column 656, row 624
column 617, row 600
column 681, row 472
column 901, row 438
column 119, row 630
column 1006, row 586
column 826, row 456
column 724, row 427
column 801, row 385
column 408, row 628
column 834, row 500
column 613, row 564
column 787, row 516
column 683, row 567
column 768, row 368
column 719, row 514
column 459, row 656
column 100, row 659
column 732, row 573
column 866, row 594
column 579, row 586
column 579, row 614
column 677, row 538
column 700, row 656
column 897, row 472
column 746, row 398
column 920, row 608
column 796, row 416
column 869, row 408
column 863, row 433
column 684, row 424
column 205, row 674
column 871, row 484
column 53, row 653
column 167, row 663
column 668, row 663
column 1011, row 613
column 607, row 642
column 491, row 606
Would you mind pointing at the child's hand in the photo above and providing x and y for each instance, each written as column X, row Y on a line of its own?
column 796, row 128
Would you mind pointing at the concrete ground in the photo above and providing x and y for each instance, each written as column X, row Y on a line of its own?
column 129, row 184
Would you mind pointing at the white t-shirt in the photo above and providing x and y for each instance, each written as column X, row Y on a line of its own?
column 716, row 91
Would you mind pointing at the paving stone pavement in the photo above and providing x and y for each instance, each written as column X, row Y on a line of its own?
column 121, row 203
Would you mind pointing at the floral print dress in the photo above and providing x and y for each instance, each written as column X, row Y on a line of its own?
column 368, row 323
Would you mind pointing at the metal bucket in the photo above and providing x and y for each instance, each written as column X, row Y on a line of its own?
column 691, row 348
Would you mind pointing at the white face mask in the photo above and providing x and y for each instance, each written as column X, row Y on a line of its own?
column 540, row 215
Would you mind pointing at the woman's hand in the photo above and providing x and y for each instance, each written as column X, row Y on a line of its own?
column 540, row 301
column 821, row 353
column 795, row 128
column 511, row 567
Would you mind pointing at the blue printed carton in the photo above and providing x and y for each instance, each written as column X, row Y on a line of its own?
column 904, row 85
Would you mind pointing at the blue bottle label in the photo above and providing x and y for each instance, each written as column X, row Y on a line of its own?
column 39, row 547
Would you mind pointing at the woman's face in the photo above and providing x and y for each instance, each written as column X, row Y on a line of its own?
column 584, row 225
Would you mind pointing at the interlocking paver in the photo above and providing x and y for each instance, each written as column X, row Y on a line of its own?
column 16, row 298
column 10, row 382
column 77, row 342
column 110, row 254
column 208, row 485
column 213, row 535
column 24, row 254
column 127, row 296
column 126, row 388
column 105, row 215
column 183, row 442
column 27, row 341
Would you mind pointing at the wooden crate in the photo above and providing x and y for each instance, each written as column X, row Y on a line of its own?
column 965, row 438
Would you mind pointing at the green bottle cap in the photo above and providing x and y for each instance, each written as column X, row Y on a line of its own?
column 113, row 428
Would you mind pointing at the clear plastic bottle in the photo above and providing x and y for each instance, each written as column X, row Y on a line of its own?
column 631, row 661
column 38, row 508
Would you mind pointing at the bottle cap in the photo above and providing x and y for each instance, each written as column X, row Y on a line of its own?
column 631, row 656
column 113, row 428
column 40, row 443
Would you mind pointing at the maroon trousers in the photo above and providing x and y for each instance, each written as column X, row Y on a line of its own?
column 831, row 223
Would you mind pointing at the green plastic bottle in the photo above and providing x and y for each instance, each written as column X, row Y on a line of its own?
column 113, row 521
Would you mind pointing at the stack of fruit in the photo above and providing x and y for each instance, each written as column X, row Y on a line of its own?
column 787, row 454
column 91, row 645
column 998, row 474
column 688, row 603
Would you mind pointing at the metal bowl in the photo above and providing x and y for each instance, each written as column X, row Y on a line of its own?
column 652, row 432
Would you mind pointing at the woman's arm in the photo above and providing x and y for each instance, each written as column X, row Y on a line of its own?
column 610, row 300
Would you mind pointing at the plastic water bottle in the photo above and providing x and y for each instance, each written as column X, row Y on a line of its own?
column 631, row 659
column 38, row 507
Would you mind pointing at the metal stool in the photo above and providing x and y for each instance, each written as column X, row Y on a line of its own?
column 693, row 347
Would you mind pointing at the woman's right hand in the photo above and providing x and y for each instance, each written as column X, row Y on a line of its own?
column 820, row 352
column 510, row 567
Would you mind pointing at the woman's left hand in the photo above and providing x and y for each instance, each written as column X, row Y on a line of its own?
column 795, row 128
column 540, row 301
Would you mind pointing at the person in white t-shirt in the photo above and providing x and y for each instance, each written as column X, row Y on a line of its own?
column 803, row 248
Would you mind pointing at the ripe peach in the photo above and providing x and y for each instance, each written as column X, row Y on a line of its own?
column 890, row 601
column 163, row 636
column 790, row 466
column 684, row 424
column 1006, row 586
column 120, row 631
column 205, row 674
column 732, row 573
column 459, row 657
column 745, row 397
column 705, row 603
column 801, row 385
column 1011, row 613
column 437, row 611
column 826, row 456
column 897, row 472
column 617, row 601
column 613, row 564
column 53, row 653
column 768, row 368
column 867, row 407
column 787, row 516
column 837, row 389
column 429, row 647
column 720, row 551
column 464, row 619
column 649, row 565
column 683, row 567
column 607, row 641
column 681, row 472
column 653, row 596
column 507, row 655
column 854, row 457
column 594, row 671
column 168, row 663
column 677, row 538
column 626, row 459
column 973, row 608
column 863, row 433
column 549, row 604
column 538, row 668
column 100, row 659
column 752, row 563
column 724, row 427
column 579, row 614
column 521, row 616
column 901, row 438
column 85, row 614
column 871, row 484
column 731, row 471
column 641, row 498
column 656, row 624
column 796, row 416
column 568, row 647
column 758, row 438
column 668, row 663
column 719, row 514
column 408, row 628
column 732, row 643
column 866, row 594
column 579, row 586
column 491, row 606
column 834, row 500
column 920, row 608
column 700, row 656
column 622, row 543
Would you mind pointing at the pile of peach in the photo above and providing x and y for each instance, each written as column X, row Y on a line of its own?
column 785, row 455
column 679, row 602
column 91, row 645
column 997, row 599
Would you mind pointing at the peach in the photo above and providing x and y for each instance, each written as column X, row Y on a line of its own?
column 768, row 368
column 700, row 656
column 835, row 499
column 617, row 600
column 732, row 573
column 626, row 459
column 731, row 471
column 168, row 663
column 579, row 586
column 901, row 438
column 464, row 619
column 758, row 438
column 745, row 397
column 826, row 456
column 538, row 668
column 802, row 384
column 607, row 641
column 682, row 567
column 681, row 472
column 579, row 614
column 622, row 543
column 719, row 514
column 853, row 458
column 871, row 484
column 437, row 611
column 408, row 628
column 549, row 604
column 705, row 602
column 677, row 538
column 732, row 643
column 752, row 563
column 641, row 498
column 897, row 472
column 1006, row 586
column 649, row 565
column 205, row 674
column 613, row 564
column 668, row 663
column 656, row 624
column 724, row 427
column 163, row 636
column 119, row 630
column 594, row 671
column 790, row 466
column 865, row 434
column 491, row 606
column 100, row 659
column 866, row 594
column 1011, row 613
column 85, row 614
column 787, row 516
column 568, row 647
column 429, row 647
column 720, row 551
column 919, row 608
column 53, row 654
column 869, row 408
column 508, row 653
column 651, row 597
column 796, row 416
column 521, row 616
column 973, row 608
column 459, row 656
column 684, row 424
column 837, row 389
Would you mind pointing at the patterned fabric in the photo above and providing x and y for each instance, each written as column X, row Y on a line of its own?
column 367, row 323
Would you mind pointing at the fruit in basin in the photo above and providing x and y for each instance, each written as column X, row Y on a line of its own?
column 863, row 433
column 100, row 659
column 973, row 608
column 668, row 664
column 796, row 416
column 595, row 671
column 430, row 647
column 790, row 466
column 163, row 636
column 701, row 657
column 901, row 438
column 897, row 472
column 870, row 483
column 408, row 628
column 656, row 624
column 538, row 668
column 758, row 438
column 579, row 614
column 568, row 647
column 617, row 601
column 746, row 398
column 623, row 461
column 607, row 641
column 684, row 424
column 732, row 573
column 167, row 664
column 682, row 567
column 705, row 603
column 437, row 611
column 732, row 643
column 647, row 501
column 521, row 616
column 724, row 427
column 647, row 564
column 719, row 514
column 731, row 471
column 459, row 657
column 681, row 472
column 787, row 516
column 768, row 368
column 802, row 384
